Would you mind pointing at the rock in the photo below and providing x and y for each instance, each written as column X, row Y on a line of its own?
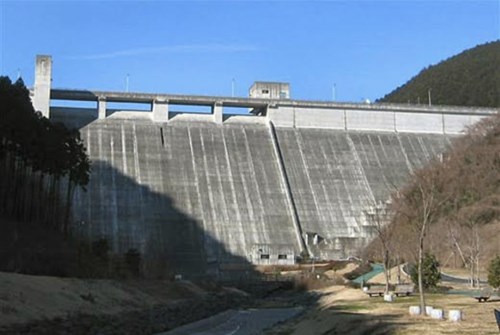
column 455, row 315
column 389, row 297
column 414, row 310
column 437, row 314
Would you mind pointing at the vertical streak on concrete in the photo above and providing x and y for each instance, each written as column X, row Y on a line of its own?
column 141, row 195
column 114, row 204
column 344, row 191
column 248, row 196
column 377, row 158
column 424, row 149
column 213, row 217
column 240, row 238
column 254, row 177
column 89, row 188
column 361, row 171
column 102, row 197
column 43, row 78
column 288, row 192
column 124, row 150
column 403, row 151
column 159, row 151
column 101, row 108
column 198, row 193
column 300, row 146
column 386, row 159
column 219, row 205
column 331, row 174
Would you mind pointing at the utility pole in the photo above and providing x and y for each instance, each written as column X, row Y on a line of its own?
column 334, row 92
column 232, row 87
column 127, row 78
column 429, row 94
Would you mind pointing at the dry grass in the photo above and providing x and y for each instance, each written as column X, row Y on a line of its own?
column 349, row 311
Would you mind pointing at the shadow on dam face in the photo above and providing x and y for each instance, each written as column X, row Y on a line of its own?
column 130, row 215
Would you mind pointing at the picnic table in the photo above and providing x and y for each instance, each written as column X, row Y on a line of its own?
column 484, row 295
column 403, row 289
column 376, row 290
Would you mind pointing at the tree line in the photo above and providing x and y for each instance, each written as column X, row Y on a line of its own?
column 41, row 163
column 470, row 78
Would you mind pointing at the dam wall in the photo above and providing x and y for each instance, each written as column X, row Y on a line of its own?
column 337, row 177
column 203, row 192
column 187, row 192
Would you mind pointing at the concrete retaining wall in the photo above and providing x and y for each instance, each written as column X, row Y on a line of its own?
column 376, row 118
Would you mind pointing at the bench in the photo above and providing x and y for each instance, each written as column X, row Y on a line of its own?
column 377, row 290
column 484, row 295
column 403, row 289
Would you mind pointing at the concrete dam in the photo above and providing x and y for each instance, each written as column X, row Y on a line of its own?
column 201, row 193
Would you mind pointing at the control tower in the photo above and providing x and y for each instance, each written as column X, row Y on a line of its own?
column 270, row 90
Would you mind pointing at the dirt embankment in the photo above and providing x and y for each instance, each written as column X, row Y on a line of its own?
column 51, row 305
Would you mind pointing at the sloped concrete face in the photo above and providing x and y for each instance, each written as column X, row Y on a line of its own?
column 336, row 176
column 200, row 196
column 195, row 193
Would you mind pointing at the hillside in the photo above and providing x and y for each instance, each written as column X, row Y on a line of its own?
column 471, row 78
column 459, row 196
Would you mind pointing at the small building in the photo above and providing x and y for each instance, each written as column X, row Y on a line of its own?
column 273, row 254
column 270, row 90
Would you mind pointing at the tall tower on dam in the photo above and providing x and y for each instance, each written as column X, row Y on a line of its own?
column 206, row 192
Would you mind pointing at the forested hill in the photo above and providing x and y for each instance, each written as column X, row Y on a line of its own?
column 471, row 78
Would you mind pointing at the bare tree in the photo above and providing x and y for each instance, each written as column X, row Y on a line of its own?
column 417, row 207
column 378, row 216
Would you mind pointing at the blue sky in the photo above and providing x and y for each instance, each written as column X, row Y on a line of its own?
column 364, row 48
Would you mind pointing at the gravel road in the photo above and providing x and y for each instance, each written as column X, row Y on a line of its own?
column 237, row 322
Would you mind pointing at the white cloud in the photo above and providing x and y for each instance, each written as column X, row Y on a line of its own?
column 183, row 48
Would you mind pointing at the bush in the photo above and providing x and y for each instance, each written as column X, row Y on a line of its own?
column 430, row 272
column 494, row 272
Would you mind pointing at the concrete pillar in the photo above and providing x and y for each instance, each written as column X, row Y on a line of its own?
column 101, row 107
column 217, row 108
column 43, row 78
column 160, row 110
